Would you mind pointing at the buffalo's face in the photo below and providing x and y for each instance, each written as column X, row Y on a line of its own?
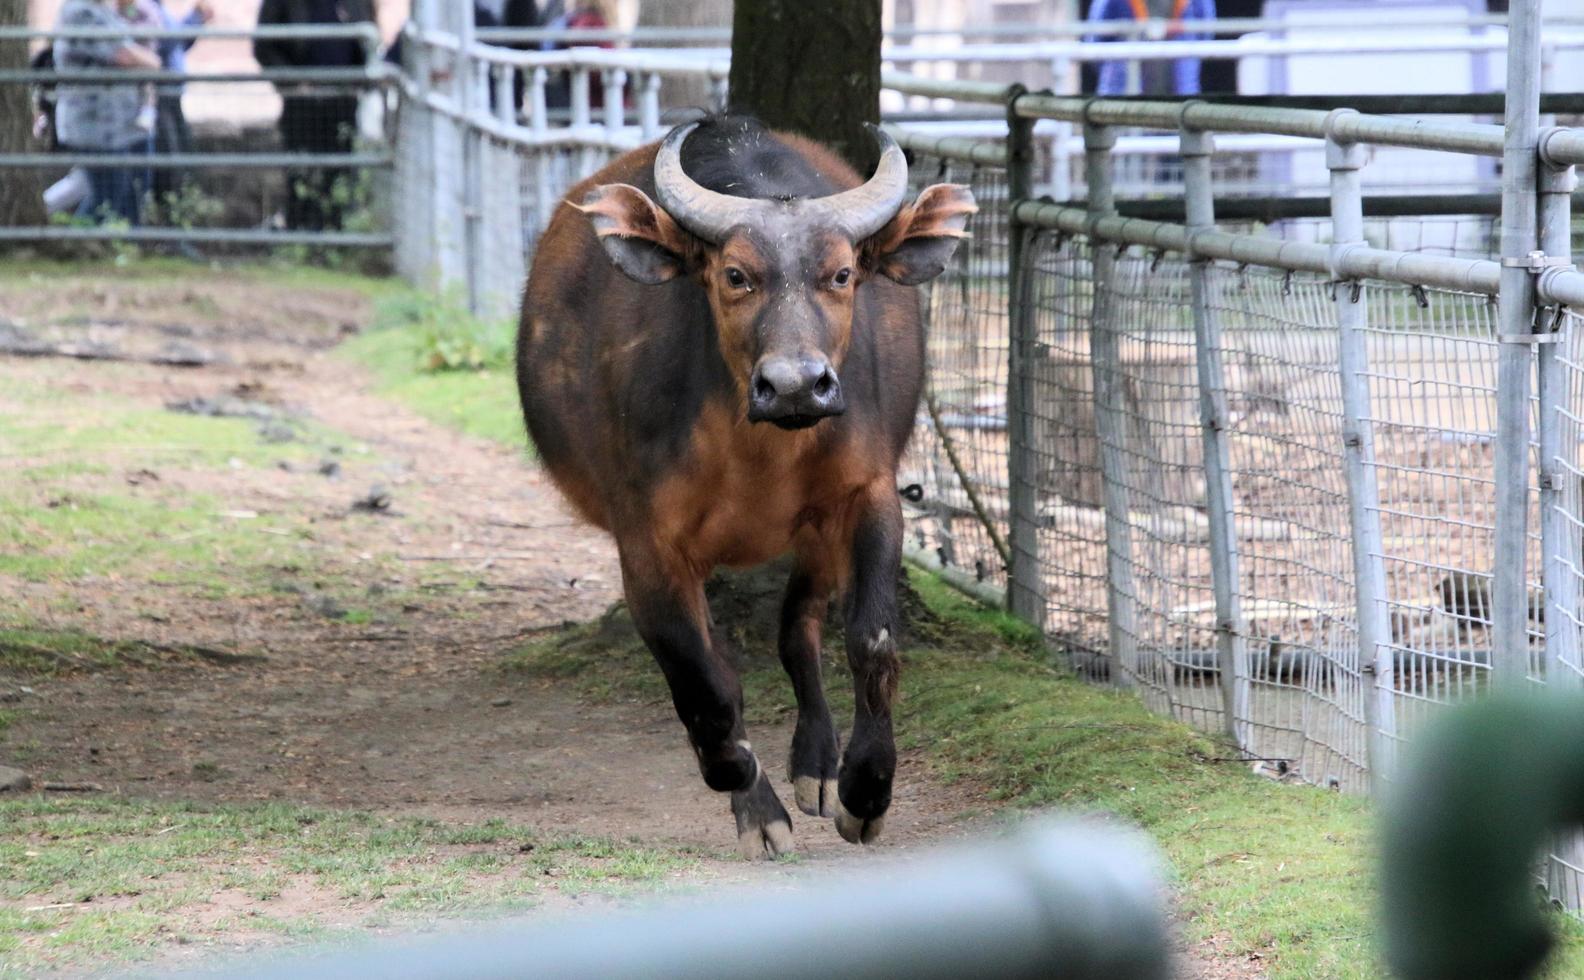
column 782, row 276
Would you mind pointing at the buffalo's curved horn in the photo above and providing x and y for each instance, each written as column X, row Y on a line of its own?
column 708, row 214
column 864, row 210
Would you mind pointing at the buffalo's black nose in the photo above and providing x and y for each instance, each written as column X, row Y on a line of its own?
column 794, row 392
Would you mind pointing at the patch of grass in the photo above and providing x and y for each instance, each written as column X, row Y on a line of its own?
column 446, row 336
column 134, row 874
column 28, row 648
column 109, row 533
column 42, row 651
column 168, row 269
column 66, row 514
column 481, row 402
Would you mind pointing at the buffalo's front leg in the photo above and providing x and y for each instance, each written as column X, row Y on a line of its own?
column 671, row 615
column 869, row 764
column 813, row 765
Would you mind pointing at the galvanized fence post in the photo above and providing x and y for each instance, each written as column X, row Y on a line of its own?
column 1559, row 540
column 1515, row 333
column 1026, row 577
column 1375, row 656
column 469, row 101
column 414, row 142
column 1560, row 551
column 539, row 124
column 1196, row 147
column 1105, row 369
column 450, row 230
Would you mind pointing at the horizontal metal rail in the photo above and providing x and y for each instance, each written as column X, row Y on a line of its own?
column 961, row 90
column 1152, row 27
column 1342, row 262
column 285, row 32
column 138, row 76
column 1080, row 51
column 1344, row 126
column 1470, row 104
column 988, row 152
column 1171, row 50
column 1561, row 285
column 207, row 236
column 1562, row 147
column 1287, row 208
column 988, row 593
column 1079, row 901
column 150, row 161
column 696, row 63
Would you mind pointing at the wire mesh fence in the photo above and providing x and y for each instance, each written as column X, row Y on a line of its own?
column 959, row 452
column 1431, row 356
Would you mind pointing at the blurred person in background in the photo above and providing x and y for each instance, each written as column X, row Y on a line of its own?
column 586, row 15
column 104, row 118
column 171, row 132
column 1177, row 76
column 63, row 196
column 313, row 119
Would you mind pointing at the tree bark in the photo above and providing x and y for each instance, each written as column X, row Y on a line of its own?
column 812, row 67
column 682, row 91
column 21, row 195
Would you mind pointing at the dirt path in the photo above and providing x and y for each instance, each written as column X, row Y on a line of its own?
column 405, row 715
column 403, row 712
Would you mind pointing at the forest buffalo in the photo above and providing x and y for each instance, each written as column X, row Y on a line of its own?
column 720, row 359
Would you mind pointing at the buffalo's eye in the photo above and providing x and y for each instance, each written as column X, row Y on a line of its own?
column 842, row 278
column 736, row 278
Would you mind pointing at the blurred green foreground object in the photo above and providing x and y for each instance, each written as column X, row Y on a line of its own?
column 1465, row 827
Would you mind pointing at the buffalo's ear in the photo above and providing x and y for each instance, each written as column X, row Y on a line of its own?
column 916, row 245
column 641, row 239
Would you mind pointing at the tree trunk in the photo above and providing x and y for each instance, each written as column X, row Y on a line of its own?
column 683, row 91
column 21, row 195
column 812, row 67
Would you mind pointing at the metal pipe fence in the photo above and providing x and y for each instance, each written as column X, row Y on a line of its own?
column 223, row 157
column 1300, row 484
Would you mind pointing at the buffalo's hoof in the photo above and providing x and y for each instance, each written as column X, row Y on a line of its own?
column 767, row 842
column 815, row 797
column 813, row 766
column 857, row 830
column 764, row 829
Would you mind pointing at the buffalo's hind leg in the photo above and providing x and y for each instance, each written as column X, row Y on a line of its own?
column 869, row 764
column 672, row 616
column 815, row 751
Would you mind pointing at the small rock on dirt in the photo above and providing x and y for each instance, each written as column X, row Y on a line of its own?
column 14, row 780
column 329, row 468
column 501, row 703
column 276, row 431
column 181, row 354
column 224, row 406
column 16, row 340
column 377, row 499
column 325, row 606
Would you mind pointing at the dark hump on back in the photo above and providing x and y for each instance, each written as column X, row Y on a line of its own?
column 738, row 155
